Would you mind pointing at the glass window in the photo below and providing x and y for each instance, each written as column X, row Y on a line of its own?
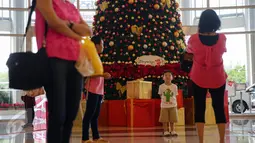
column 88, row 16
column 87, row 4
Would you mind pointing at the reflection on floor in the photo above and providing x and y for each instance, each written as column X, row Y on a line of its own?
column 238, row 131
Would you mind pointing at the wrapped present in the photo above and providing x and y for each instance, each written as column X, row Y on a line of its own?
column 103, row 117
column 157, row 111
column 139, row 89
column 209, row 113
column 117, row 113
column 41, row 113
column 180, row 99
column 77, row 124
column 189, row 111
column 140, row 113
column 181, row 117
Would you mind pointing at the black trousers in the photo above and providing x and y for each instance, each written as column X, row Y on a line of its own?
column 30, row 115
column 63, row 92
column 217, row 95
column 91, row 116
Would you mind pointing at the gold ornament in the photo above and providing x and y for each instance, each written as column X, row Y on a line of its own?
column 130, row 1
column 102, row 18
column 136, row 30
column 103, row 6
column 130, row 47
column 176, row 34
column 166, row 3
column 156, row 6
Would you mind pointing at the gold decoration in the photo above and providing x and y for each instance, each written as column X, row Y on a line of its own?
column 136, row 30
column 166, row 3
column 103, row 6
column 121, row 89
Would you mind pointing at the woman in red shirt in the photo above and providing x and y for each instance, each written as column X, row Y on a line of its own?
column 207, row 73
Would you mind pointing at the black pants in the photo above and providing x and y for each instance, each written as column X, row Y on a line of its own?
column 63, row 93
column 217, row 95
column 91, row 116
column 30, row 115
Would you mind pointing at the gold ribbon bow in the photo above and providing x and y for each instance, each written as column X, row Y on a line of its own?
column 121, row 89
column 166, row 3
column 103, row 6
column 136, row 30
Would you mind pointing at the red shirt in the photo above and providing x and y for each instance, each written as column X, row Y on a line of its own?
column 207, row 69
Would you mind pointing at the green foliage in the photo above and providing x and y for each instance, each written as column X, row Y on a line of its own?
column 4, row 96
column 237, row 74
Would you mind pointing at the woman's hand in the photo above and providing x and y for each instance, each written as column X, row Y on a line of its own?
column 107, row 75
column 82, row 29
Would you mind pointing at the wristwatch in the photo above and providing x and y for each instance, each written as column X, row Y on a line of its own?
column 70, row 25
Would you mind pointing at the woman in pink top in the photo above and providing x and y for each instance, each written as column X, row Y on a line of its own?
column 65, row 29
column 95, row 89
column 207, row 73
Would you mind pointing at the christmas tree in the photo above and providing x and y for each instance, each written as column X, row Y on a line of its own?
column 134, row 28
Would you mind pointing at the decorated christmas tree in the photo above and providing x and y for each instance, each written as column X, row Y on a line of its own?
column 142, row 39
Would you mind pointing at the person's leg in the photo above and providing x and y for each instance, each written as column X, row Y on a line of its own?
column 200, row 107
column 173, row 119
column 218, row 106
column 30, row 115
column 94, row 120
column 164, row 119
column 56, row 95
column 73, row 98
column 33, row 114
column 89, row 113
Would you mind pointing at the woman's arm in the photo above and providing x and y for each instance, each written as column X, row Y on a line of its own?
column 82, row 28
column 54, row 22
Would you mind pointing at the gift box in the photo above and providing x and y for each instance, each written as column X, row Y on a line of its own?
column 41, row 113
column 180, row 99
column 117, row 113
column 181, row 117
column 157, row 103
column 140, row 113
column 189, row 111
column 103, row 117
column 139, row 90
column 77, row 124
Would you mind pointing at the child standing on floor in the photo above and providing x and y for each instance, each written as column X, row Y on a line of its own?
column 95, row 88
column 168, row 114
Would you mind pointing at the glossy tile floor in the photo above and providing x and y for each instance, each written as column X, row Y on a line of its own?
column 238, row 131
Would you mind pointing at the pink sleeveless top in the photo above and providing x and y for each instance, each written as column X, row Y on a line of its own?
column 207, row 69
column 58, row 45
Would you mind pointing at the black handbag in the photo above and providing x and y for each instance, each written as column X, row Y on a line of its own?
column 186, row 62
column 28, row 70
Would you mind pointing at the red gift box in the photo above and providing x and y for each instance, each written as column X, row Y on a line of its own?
column 117, row 113
column 157, row 112
column 179, row 99
column 103, row 117
column 41, row 113
column 140, row 113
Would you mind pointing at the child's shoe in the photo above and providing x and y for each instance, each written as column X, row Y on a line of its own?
column 87, row 141
column 101, row 140
column 165, row 134
column 173, row 133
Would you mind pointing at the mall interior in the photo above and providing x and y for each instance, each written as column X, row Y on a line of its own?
column 122, row 118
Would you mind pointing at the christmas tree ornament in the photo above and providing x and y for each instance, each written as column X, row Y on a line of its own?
column 111, row 43
column 150, row 16
column 172, row 48
column 156, row 6
column 176, row 34
column 103, row 6
column 102, row 18
column 164, row 44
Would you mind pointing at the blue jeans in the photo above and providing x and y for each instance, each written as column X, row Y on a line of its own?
column 91, row 115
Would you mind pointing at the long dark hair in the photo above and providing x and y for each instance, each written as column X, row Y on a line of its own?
column 209, row 22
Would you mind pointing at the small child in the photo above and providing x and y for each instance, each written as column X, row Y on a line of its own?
column 168, row 114
column 95, row 87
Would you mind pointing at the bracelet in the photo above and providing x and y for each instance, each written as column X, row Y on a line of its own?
column 71, row 25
